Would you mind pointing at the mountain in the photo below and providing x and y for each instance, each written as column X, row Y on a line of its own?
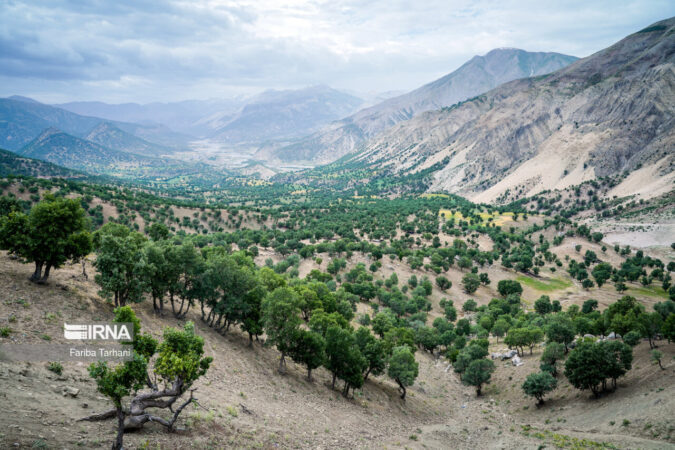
column 108, row 135
column 280, row 115
column 478, row 75
column 22, row 120
column 605, row 114
column 11, row 163
column 183, row 116
column 60, row 148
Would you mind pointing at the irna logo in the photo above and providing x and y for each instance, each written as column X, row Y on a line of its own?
column 99, row 332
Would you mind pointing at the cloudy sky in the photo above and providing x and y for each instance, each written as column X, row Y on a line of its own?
column 145, row 50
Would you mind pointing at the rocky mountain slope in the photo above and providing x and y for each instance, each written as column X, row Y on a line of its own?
column 478, row 75
column 605, row 114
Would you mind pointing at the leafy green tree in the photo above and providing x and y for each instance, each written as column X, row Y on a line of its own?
column 650, row 326
column 669, row 328
column 601, row 273
column 373, row 350
column 519, row 338
column 632, row 338
column 618, row 359
column 500, row 328
column 656, row 357
column 403, row 368
column 468, row 354
column 584, row 367
column 471, row 282
column 539, row 384
column 428, row 338
column 508, row 287
column 478, row 373
column 383, row 322
column 308, row 349
column 443, row 283
column 158, row 231
column 8, row 205
column 554, row 352
column 543, row 305
column 54, row 232
column 560, row 328
column 469, row 305
column 281, row 309
column 344, row 359
column 121, row 264
column 159, row 272
column 589, row 306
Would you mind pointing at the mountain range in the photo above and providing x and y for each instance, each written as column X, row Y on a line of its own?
column 606, row 114
column 478, row 75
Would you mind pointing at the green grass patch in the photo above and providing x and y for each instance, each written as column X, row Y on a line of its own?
column 649, row 291
column 553, row 284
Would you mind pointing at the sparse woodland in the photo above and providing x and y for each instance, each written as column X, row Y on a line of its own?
column 205, row 264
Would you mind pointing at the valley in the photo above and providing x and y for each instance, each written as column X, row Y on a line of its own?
column 483, row 261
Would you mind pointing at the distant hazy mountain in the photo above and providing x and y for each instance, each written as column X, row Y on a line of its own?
column 108, row 135
column 183, row 117
column 23, row 119
column 478, row 75
column 60, row 148
column 11, row 163
column 286, row 114
column 609, row 113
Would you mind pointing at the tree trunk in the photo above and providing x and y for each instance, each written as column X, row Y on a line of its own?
column 660, row 365
column 309, row 373
column 402, row 389
column 38, row 272
column 282, row 364
column 118, row 445
column 43, row 280
column 365, row 376
column 478, row 392
column 334, row 377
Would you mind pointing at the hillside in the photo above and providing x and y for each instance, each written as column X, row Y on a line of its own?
column 108, row 135
column 478, row 75
column 60, row 148
column 605, row 114
column 243, row 402
column 11, row 163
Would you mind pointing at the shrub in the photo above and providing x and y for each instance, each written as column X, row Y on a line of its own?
column 55, row 367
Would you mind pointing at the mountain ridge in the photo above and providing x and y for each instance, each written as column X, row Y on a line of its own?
column 478, row 75
column 602, row 115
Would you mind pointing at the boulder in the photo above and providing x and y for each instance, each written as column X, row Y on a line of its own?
column 516, row 361
column 69, row 391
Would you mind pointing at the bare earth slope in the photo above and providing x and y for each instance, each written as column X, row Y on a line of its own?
column 608, row 113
